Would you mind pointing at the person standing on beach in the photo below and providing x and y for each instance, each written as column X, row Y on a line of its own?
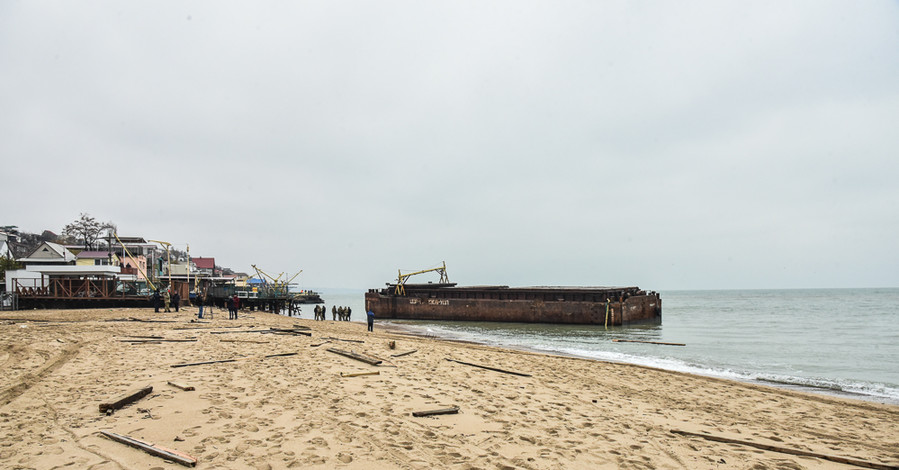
column 236, row 305
column 201, row 299
column 333, row 313
column 157, row 300
column 167, row 300
column 371, row 319
column 176, row 300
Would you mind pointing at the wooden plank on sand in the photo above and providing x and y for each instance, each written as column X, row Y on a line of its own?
column 442, row 411
column 186, row 388
column 787, row 450
column 232, row 360
column 353, row 355
column 404, row 353
column 153, row 449
column 358, row 374
column 125, row 399
column 490, row 368
column 345, row 340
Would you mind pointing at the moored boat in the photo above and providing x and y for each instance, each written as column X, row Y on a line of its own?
column 610, row 306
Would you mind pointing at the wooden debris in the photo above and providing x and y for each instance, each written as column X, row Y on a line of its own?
column 319, row 344
column 243, row 341
column 442, row 411
column 237, row 331
column 232, row 360
column 125, row 399
column 289, row 331
column 144, row 337
column 490, row 368
column 346, row 340
column 186, row 388
column 404, row 353
column 357, row 374
column 647, row 342
column 204, row 363
column 157, row 340
column 787, row 450
column 153, row 449
column 354, row 355
column 279, row 355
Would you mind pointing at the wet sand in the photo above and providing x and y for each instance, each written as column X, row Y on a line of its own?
column 298, row 411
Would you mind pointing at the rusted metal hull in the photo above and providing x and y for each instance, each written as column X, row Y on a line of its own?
column 565, row 305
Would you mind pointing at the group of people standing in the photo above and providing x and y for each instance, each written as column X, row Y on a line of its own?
column 233, row 304
column 343, row 314
column 166, row 299
column 337, row 313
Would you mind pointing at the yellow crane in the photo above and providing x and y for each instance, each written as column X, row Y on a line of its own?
column 402, row 278
column 277, row 286
column 136, row 264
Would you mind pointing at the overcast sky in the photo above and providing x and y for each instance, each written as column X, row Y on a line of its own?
column 669, row 145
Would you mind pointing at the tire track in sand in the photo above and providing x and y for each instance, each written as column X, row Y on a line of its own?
column 29, row 380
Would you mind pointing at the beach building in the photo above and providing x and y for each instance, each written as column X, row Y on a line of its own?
column 205, row 266
column 96, row 258
column 48, row 253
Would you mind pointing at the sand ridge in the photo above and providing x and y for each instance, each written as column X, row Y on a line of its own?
column 298, row 412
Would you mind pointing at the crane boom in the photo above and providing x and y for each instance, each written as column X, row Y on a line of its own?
column 402, row 278
column 136, row 264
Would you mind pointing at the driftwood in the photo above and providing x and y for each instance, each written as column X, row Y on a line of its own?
column 353, row 355
column 319, row 344
column 186, row 388
column 357, row 374
column 125, row 399
column 404, row 353
column 204, row 363
column 157, row 341
column 237, row 331
column 787, row 450
column 242, row 341
column 443, row 411
column 231, row 360
column 159, row 451
column 288, row 331
column 490, row 368
column 647, row 342
column 346, row 340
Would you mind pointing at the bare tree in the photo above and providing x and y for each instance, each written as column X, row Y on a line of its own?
column 86, row 230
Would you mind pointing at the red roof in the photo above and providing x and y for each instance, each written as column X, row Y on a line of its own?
column 204, row 263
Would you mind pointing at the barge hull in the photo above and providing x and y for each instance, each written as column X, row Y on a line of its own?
column 619, row 307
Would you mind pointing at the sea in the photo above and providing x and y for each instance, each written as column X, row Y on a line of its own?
column 832, row 341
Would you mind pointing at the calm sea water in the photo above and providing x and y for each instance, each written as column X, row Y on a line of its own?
column 841, row 341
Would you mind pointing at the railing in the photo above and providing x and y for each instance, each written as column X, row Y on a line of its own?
column 79, row 288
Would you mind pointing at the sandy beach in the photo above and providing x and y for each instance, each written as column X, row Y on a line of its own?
column 301, row 410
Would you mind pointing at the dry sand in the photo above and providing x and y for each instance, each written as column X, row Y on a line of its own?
column 298, row 412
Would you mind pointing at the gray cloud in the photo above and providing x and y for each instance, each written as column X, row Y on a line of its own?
column 699, row 145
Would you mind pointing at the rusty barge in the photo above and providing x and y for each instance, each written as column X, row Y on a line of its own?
column 612, row 306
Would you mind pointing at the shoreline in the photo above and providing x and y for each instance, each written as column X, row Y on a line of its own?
column 783, row 385
column 280, row 401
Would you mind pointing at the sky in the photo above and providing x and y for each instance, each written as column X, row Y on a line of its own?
column 666, row 145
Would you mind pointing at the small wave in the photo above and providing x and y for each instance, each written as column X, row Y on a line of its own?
column 876, row 390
